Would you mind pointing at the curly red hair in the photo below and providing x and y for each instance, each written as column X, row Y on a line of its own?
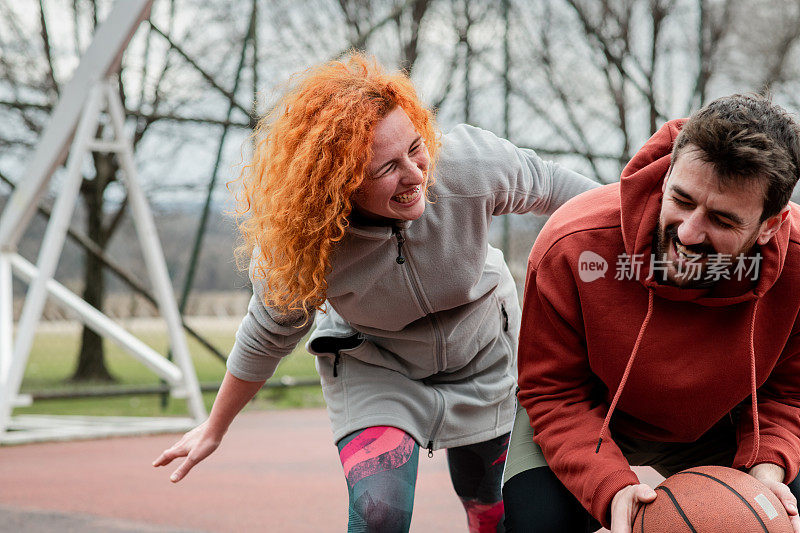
column 310, row 155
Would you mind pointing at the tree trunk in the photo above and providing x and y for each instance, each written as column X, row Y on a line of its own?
column 91, row 361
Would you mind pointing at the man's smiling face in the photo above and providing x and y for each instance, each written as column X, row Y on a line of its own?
column 701, row 216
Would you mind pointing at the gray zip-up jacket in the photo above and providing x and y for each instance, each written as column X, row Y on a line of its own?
column 422, row 318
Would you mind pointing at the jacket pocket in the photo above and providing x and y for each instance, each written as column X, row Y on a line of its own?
column 493, row 382
column 329, row 355
column 509, row 322
column 333, row 345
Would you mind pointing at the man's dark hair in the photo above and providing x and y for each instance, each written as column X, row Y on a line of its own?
column 746, row 138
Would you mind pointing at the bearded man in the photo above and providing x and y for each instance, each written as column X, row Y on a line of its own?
column 660, row 325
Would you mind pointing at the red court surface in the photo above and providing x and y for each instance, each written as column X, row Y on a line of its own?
column 276, row 471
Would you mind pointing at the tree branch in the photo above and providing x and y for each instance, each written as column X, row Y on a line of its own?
column 51, row 76
column 418, row 10
column 151, row 117
column 142, row 125
column 614, row 59
column 206, row 76
column 547, row 63
column 362, row 37
column 556, row 126
column 780, row 55
column 710, row 35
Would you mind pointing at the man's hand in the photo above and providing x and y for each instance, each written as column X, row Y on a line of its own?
column 772, row 476
column 195, row 445
column 625, row 504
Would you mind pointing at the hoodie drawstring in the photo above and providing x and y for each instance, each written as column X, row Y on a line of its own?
column 753, row 384
column 624, row 379
column 754, row 398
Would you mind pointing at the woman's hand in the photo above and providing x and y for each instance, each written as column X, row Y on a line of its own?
column 199, row 443
column 195, row 445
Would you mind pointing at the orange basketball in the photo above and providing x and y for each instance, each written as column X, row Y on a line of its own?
column 712, row 499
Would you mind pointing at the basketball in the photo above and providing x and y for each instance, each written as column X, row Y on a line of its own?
column 712, row 499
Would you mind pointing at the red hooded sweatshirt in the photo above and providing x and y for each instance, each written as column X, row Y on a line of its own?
column 688, row 356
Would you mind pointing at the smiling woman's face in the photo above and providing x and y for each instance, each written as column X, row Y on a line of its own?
column 394, row 188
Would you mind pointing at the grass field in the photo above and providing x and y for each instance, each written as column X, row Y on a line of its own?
column 54, row 357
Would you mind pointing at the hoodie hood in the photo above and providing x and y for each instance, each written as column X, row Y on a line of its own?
column 641, row 196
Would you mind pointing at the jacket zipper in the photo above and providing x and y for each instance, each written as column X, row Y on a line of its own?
column 505, row 317
column 437, row 421
column 400, row 240
column 437, row 329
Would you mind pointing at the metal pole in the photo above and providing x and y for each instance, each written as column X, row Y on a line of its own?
column 101, row 59
column 506, row 119
column 49, row 254
column 100, row 323
column 124, row 275
column 154, row 256
column 143, row 390
column 6, row 316
column 201, row 229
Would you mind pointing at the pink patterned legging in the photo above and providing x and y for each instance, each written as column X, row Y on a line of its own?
column 380, row 466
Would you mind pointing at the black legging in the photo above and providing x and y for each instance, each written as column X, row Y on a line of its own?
column 536, row 501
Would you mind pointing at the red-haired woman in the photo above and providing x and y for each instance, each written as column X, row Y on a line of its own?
column 359, row 212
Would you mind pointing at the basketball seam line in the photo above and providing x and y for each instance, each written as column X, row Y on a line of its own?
column 644, row 508
column 677, row 507
column 744, row 500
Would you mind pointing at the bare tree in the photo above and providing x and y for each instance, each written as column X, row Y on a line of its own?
column 588, row 80
column 599, row 77
column 764, row 51
column 150, row 89
column 713, row 27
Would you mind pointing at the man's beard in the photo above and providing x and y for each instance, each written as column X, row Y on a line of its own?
column 664, row 239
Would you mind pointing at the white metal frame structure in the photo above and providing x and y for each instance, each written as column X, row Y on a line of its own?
column 91, row 92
